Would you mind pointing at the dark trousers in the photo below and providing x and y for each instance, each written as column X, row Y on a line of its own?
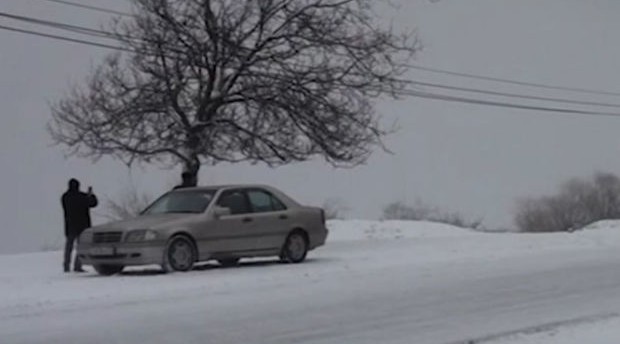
column 77, row 264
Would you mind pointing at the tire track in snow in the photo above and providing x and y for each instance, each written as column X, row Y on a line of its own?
column 547, row 327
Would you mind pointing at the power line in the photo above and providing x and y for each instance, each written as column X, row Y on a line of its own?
column 64, row 38
column 413, row 93
column 423, row 68
column 85, row 31
column 448, row 98
column 509, row 81
column 108, row 35
column 90, row 7
column 58, row 25
column 418, row 67
column 511, row 95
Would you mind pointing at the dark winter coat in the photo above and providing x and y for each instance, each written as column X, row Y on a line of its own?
column 76, row 206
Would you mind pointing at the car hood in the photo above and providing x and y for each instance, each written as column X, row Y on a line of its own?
column 154, row 222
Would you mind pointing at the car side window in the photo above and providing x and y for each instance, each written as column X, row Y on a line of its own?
column 236, row 201
column 263, row 201
column 277, row 204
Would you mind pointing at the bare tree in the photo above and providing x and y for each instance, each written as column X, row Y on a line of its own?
column 204, row 81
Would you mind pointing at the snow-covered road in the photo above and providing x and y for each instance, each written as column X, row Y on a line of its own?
column 373, row 283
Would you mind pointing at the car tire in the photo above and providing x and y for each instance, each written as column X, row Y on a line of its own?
column 179, row 255
column 228, row 262
column 295, row 248
column 108, row 270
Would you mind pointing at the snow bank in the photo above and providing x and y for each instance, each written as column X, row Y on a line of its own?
column 603, row 226
column 442, row 241
column 599, row 332
column 350, row 230
column 600, row 233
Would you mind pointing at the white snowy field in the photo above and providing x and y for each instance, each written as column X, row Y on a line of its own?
column 603, row 330
column 374, row 282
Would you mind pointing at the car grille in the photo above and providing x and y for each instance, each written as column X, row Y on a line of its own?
column 107, row 237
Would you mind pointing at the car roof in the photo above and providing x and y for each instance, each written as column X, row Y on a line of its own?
column 281, row 195
column 225, row 186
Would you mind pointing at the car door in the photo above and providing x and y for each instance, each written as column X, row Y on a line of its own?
column 271, row 219
column 234, row 232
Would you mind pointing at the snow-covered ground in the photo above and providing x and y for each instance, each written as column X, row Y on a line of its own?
column 599, row 330
column 374, row 282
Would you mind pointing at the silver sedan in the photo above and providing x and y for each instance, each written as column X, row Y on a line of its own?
column 223, row 223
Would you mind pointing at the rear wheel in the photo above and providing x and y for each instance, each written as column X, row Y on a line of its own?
column 228, row 262
column 108, row 270
column 295, row 248
column 180, row 254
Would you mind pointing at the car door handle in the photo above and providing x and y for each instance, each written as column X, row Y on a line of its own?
column 283, row 217
column 247, row 219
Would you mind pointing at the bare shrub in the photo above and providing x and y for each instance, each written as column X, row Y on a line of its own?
column 335, row 209
column 421, row 211
column 401, row 211
column 578, row 203
column 607, row 187
column 129, row 204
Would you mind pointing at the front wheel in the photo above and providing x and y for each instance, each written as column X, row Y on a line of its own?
column 295, row 248
column 108, row 270
column 180, row 254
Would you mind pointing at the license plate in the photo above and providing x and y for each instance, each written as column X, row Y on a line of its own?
column 102, row 251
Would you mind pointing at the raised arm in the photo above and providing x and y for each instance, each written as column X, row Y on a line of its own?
column 92, row 200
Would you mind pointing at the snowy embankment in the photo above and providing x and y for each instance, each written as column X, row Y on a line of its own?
column 603, row 330
column 440, row 242
column 388, row 282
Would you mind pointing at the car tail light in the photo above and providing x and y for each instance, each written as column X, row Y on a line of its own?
column 323, row 216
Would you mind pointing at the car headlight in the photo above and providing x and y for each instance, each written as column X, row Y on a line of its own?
column 140, row 235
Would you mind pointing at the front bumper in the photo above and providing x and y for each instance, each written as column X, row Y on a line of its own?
column 121, row 253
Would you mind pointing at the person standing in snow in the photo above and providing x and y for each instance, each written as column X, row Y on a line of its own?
column 76, row 206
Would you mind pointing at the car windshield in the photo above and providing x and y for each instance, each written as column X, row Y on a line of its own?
column 190, row 202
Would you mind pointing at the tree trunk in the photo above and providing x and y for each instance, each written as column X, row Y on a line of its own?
column 191, row 164
column 192, row 169
column 192, row 161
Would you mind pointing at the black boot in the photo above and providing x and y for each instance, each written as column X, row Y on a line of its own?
column 77, row 264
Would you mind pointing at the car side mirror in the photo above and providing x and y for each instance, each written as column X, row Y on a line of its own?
column 219, row 212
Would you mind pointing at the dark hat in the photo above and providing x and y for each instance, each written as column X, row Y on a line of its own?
column 74, row 184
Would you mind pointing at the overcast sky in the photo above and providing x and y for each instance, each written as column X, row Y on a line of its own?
column 469, row 158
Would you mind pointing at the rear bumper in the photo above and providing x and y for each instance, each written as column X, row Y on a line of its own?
column 319, row 239
column 121, row 254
